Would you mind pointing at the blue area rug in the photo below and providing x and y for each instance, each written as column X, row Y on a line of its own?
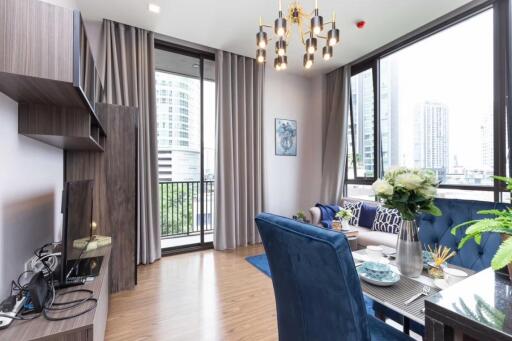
column 260, row 262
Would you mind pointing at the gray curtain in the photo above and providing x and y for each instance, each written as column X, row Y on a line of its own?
column 239, row 186
column 335, row 126
column 128, row 72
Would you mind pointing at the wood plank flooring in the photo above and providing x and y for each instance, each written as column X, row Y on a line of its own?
column 207, row 295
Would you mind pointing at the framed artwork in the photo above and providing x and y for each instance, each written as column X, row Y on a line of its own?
column 286, row 137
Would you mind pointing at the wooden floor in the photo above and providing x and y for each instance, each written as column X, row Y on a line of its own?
column 207, row 295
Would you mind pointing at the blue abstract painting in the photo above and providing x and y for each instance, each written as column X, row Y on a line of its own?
column 286, row 137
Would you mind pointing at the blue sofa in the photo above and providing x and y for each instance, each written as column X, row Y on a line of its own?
column 437, row 231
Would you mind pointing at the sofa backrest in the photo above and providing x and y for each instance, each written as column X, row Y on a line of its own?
column 316, row 285
column 437, row 230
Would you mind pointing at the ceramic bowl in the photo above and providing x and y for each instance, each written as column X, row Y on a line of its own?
column 376, row 270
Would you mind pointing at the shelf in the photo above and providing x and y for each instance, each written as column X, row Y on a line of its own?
column 66, row 128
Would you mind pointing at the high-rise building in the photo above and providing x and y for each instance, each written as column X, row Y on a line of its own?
column 431, row 138
column 178, row 127
column 389, row 111
column 363, row 112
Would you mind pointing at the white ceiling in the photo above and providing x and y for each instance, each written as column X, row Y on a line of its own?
column 231, row 25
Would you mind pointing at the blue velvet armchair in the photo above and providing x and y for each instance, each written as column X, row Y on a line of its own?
column 316, row 286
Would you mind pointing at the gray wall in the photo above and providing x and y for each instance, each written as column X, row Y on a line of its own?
column 292, row 183
column 31, row 176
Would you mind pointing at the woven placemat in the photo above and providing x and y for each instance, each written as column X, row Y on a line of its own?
column 397, row 294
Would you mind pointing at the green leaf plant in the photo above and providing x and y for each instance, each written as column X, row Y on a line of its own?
column 501, row 223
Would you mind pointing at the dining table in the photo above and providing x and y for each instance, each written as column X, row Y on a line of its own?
column 395, row 296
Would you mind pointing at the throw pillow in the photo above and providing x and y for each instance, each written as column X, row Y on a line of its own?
column 355, row 207
column 387, row 220
column 367, row 216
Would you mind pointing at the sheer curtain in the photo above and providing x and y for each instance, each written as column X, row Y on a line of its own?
column 239, row 184
column 129, row 80
column 335, row 126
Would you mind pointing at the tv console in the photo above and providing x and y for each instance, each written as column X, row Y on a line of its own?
column 90, row 326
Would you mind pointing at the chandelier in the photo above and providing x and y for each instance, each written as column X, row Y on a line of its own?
column 309, row 35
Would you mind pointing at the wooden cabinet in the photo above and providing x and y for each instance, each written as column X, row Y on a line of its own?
column 46, row 64
column 115, row 188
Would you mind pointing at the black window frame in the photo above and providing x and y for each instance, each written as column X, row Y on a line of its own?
column 502, row 74
column 202, row 56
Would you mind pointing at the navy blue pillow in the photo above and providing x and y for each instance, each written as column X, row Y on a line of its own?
column 367, row 215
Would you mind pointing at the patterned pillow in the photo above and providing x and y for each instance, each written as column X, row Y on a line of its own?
column 355, row 207
column 387, row 220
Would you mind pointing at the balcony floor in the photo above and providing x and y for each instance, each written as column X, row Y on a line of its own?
column 182, row 241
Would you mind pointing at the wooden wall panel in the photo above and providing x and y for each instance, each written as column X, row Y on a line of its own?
column 115, row 196
column 36, row 39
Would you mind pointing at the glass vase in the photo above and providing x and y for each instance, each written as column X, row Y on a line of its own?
column 409, row 251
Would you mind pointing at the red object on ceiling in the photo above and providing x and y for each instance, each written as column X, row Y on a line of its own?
column 361, row 24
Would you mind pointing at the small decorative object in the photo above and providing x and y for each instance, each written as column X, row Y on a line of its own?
column 344, row 215
column 286, row 137
column 301, row 216
column 440, row 256
column 501, row 223
column 410, row 191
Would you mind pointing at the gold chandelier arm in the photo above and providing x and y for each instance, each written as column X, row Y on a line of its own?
column 302, row 35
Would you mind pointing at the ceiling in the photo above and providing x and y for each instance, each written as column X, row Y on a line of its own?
column 231, row 25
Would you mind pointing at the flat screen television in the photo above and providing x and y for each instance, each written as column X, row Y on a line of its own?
column 77, row 209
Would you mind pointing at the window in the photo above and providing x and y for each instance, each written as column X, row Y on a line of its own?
column 436, row 109
column 361, row 135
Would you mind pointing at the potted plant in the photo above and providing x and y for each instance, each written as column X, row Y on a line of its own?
column 344, row 215
column 501, row 223
column 410, row 192
column 301, row 216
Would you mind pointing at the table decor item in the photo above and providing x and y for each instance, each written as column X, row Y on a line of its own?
column 427, row 258
column 410, row 192
column 440, row 256
column 452, row 276
column 374, row 251
column 435, row 271
column 501, row 223
column 343, row 216
column 377, row 274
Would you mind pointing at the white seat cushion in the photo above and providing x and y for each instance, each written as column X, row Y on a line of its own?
column 369, row 237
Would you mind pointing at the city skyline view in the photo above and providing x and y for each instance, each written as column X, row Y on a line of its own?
column 431, row 123
column 179, row 127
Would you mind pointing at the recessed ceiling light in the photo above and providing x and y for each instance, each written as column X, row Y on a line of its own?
column 195, row 65
column 154, row 8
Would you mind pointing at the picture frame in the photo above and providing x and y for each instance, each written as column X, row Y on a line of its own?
column 285, row 137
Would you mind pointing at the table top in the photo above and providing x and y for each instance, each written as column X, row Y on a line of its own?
column 393, row 297
column 483, row 301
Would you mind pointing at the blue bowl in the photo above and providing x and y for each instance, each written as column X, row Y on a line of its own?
column 427, row 258
column 376, row 270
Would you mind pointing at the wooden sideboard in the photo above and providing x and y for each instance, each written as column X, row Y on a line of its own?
column 88, row 327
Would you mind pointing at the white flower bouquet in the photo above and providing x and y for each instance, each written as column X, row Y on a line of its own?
column 344, row 214
column 410, row 191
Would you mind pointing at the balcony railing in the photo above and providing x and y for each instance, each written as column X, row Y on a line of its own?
column 180, row 208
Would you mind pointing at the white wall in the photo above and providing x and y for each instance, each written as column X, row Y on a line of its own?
column 31, row 177
column 292, row 183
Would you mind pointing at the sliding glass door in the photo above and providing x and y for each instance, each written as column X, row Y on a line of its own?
column 185, row 96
